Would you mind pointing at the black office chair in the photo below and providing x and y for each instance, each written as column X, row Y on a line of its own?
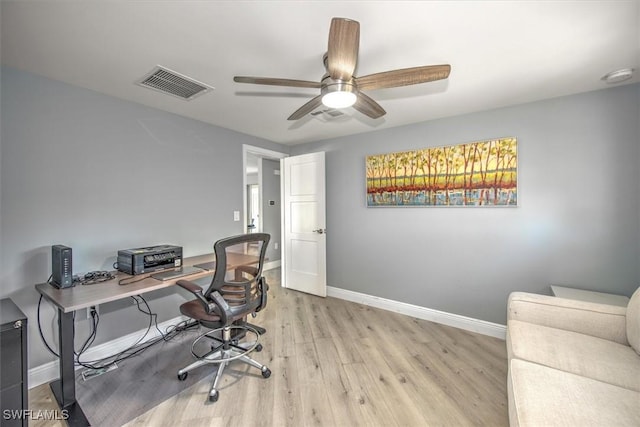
column 225, row 306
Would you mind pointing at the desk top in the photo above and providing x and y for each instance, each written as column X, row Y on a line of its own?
column 83, row 296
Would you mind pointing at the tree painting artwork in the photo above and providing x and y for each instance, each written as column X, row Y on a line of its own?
column 481, row 173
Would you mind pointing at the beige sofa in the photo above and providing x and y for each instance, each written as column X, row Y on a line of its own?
column 573, row 363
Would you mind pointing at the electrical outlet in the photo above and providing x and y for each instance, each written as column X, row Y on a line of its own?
column 92, row 308
column 236, row 215
column 275, row 246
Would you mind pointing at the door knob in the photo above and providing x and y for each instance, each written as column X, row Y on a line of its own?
column 320, row 231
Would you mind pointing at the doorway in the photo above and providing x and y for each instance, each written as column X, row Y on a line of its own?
column 253, row 209
column 262, row 198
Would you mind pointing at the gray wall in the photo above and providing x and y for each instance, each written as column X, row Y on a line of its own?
column 577, row 222
column 271, row 214
column 100, row 174
column 72, row 161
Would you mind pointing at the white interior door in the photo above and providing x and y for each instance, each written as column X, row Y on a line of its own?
column 304, row 224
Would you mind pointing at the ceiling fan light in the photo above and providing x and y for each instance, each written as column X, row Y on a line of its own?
column 339, row 99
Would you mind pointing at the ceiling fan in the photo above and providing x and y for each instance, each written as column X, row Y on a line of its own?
column 339, row 88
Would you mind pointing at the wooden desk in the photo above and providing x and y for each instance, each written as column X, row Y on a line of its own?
column 80, row 297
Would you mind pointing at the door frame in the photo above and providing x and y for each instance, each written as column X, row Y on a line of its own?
column 262, row 153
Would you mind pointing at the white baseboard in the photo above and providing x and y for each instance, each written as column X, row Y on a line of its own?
column 467, row 323
column 272, row 265
column 51, row 371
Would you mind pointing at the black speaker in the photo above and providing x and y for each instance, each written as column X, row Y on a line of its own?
column 61, row 268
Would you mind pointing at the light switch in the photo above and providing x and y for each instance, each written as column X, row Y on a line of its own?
column 236, row 215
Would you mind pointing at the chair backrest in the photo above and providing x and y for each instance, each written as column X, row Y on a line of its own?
column 243, row 287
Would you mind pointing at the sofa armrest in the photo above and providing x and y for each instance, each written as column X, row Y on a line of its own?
column 598, row 320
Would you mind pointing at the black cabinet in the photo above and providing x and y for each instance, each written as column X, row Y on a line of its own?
column 13, row 365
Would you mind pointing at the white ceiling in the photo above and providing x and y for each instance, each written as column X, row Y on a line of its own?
column 501, row 52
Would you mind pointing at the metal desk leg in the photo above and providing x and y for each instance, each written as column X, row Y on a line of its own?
column 64, row 389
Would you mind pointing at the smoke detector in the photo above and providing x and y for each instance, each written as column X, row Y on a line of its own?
column 618, row 76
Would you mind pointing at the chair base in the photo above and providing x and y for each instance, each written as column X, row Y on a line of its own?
column 259, row 329
column 223, row 354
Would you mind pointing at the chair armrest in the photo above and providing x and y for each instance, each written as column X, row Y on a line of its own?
column 263, row 287
column 263, row 284
column 190, row 286
column 197, row 292
column 224, row 309
column 598, row 320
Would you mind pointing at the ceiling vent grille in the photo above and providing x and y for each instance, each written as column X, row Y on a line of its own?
column 167, row 81
column 328, row 114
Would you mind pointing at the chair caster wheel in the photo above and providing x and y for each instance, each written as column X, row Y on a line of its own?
column 259, row 348
column 214, row 397
column 266, row 373
column 183, row 377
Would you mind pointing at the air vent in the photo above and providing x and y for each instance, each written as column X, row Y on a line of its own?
column 328, row 114
column 167, row 81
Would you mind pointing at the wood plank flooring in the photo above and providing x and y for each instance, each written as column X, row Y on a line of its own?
column 337, row 363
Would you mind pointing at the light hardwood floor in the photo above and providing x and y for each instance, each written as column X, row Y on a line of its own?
column 337, row 363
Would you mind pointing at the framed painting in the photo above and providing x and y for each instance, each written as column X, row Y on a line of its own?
column 483, row 173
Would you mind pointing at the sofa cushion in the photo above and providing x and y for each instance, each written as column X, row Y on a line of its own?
column 573, row 352
column 599, row 320
column 633, row 321
column 543, row 396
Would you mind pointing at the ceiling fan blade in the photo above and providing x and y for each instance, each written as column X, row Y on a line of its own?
column 368, row 106
column 342, row 53
column 306, row 108
column 403, row 77
column 276, row 82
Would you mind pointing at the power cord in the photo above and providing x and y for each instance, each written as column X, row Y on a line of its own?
column 85, row 345
column 44, row 340
column 135, row 279
column 138, row 347
column 93, row 277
